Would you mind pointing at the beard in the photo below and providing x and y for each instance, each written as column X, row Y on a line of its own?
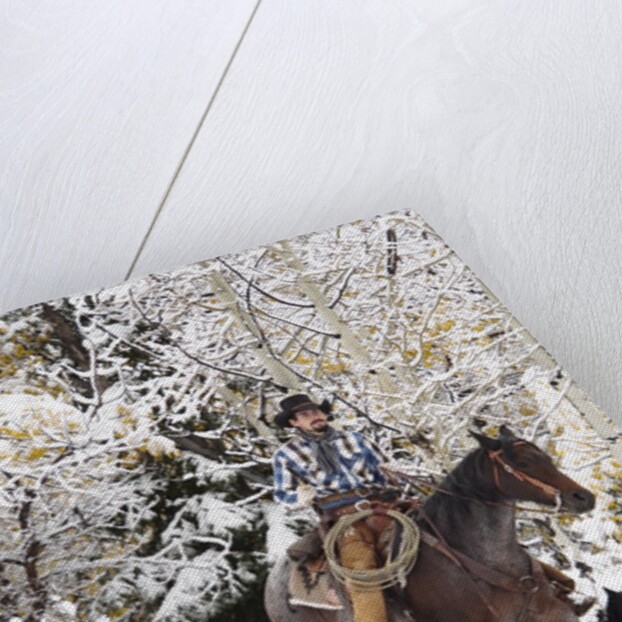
column 320, row 426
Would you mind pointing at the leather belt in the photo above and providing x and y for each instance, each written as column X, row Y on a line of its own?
column 361, row 499
column 363, row 504
column 342, row 498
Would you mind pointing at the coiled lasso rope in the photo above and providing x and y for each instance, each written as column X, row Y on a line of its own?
column 394, row 572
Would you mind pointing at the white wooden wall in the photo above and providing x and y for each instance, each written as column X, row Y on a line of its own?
column 140, row 136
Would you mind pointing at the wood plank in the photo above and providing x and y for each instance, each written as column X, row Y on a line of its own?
column 98, row 103
column 499, row 123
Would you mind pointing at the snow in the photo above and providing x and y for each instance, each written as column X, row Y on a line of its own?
column 221, row 517
column 279, row 536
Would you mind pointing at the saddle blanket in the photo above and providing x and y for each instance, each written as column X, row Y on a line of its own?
column 312, row 588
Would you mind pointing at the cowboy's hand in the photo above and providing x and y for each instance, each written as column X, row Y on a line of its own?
column 306, row 494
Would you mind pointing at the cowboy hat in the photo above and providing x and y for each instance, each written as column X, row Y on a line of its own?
column 294, row 404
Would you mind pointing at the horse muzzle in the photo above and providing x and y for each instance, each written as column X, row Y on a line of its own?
column 578, row 501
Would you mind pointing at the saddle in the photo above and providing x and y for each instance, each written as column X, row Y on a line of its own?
column 310, row 581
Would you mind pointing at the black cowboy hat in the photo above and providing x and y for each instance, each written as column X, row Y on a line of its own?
column 294, row 404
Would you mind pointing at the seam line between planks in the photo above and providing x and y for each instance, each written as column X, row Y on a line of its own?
column 184, row 157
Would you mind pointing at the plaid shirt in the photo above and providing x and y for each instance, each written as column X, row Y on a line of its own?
column 294, row 464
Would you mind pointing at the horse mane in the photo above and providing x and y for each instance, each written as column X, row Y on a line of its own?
column 467, row 481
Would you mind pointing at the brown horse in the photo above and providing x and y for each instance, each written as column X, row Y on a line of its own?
column 476, row 571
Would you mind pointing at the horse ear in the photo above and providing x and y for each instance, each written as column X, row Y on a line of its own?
column 485, row 441
column 505, row 434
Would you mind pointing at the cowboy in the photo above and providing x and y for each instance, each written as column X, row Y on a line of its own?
column 334, row 471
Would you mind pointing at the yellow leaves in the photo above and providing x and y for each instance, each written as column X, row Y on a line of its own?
column 159, row 447
column 558, row 430
column 405, row 444
column 485, row 323
column 115, row 549
column 553, row 450
column 7, row 367
column 595, row 549
column 616, row 489
column 92, row 589
column 31, row 391
column 614, row 506
column 133, row 459
column 334, row 367
column 428, row 357
column 441, row 327
column 432, row 355
column 127, row 418
column 16, row 434
column 36, row 452
column 303, row 360
column 156, row 447
column 115, row 614
column 55, row 391
column 34, row 427
column 446, row 326
column 20, row 352
column 130, row 459
column 527, row 411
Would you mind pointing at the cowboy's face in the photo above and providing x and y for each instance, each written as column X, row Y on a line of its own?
column 311, row 420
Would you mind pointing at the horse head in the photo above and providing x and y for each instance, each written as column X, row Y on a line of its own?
column 522, row 471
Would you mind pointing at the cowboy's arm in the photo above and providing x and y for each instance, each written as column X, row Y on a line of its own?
column 377, row 460
column 288, row 487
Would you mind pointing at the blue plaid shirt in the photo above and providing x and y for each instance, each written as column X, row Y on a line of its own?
column 294, row 464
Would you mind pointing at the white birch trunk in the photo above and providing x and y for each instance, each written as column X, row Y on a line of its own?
column 350, row 342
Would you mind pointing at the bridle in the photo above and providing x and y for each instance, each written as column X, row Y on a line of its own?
column 497, row 460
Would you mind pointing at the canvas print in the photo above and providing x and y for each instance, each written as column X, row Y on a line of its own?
column 345, row 426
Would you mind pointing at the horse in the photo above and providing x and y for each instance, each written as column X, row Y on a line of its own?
column 471, row 566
